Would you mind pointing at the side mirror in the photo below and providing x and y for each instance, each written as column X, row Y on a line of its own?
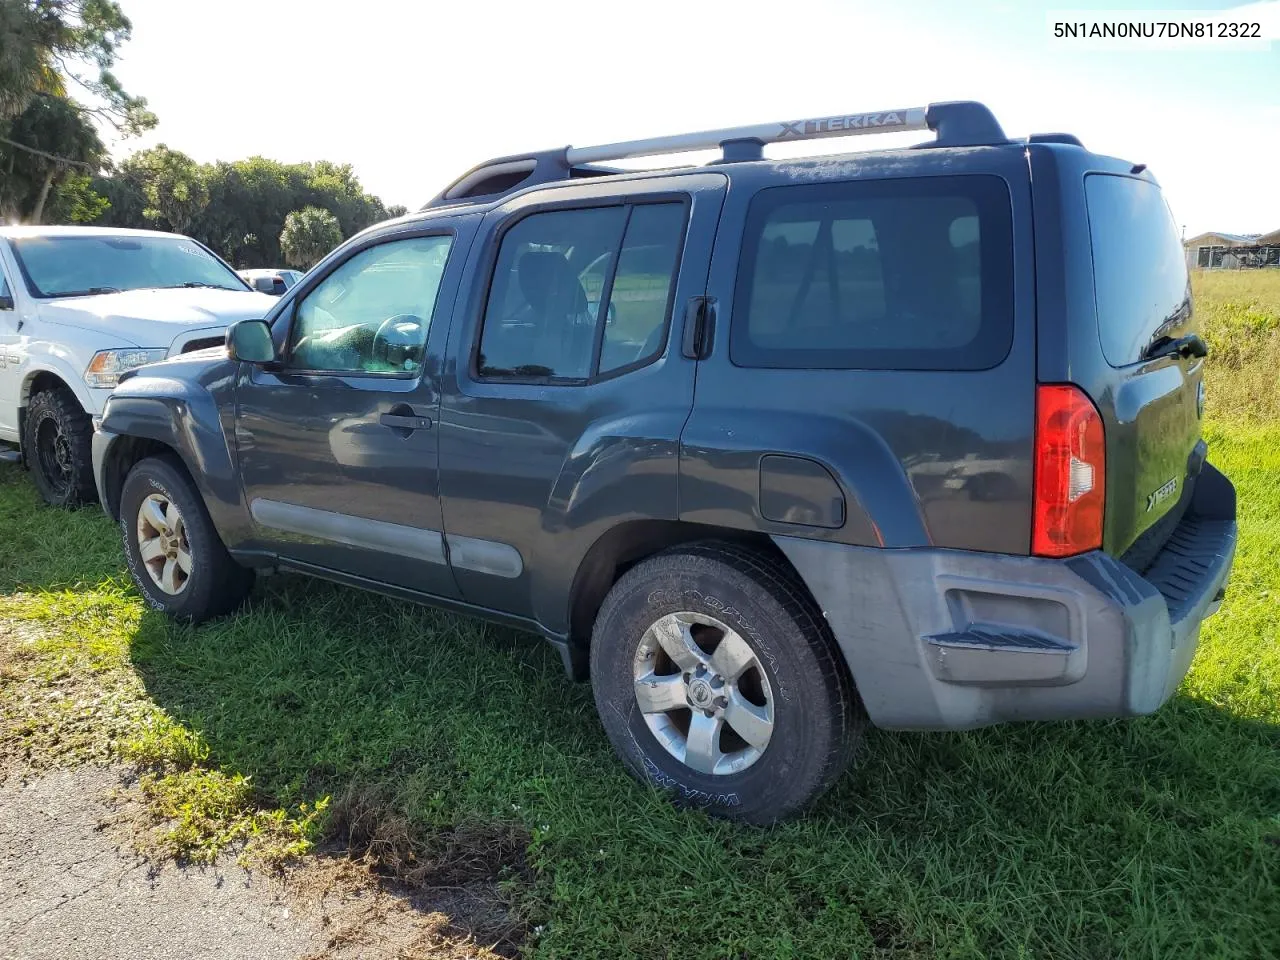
column 400, row 342
column 6, row 301
column 250, row 341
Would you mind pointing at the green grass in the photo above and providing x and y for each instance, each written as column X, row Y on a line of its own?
column 1239, row 313
column 1154, row 837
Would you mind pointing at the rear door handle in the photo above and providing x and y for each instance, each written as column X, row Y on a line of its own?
column 699, row 327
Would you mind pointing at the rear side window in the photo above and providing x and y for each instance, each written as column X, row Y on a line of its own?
column 581, row 293
column 877, row 274
column 1140, row 282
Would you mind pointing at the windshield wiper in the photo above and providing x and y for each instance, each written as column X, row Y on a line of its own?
column 1189, row 346
column 192, row 284
column 87, row 292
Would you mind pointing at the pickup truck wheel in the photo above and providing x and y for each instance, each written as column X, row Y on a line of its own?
column 717, row 680
column 57, row 440
column 175, row 556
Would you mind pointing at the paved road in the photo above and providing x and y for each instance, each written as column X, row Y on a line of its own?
column 67, row 891
column 70, row 889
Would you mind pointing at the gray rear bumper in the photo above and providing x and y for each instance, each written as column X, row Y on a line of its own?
column 945, row 639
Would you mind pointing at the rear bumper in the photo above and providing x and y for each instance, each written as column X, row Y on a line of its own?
column 946, row 640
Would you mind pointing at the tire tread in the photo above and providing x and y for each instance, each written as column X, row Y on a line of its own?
column 779, row 578
column 78, row 427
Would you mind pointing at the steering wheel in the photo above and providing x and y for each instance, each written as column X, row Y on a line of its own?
column 400, row 339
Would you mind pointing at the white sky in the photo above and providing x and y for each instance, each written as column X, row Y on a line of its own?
column 412, row 94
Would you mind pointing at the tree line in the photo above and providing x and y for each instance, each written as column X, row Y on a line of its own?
column 57, row 92
column 254, row 212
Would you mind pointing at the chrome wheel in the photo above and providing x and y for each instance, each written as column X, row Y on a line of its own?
column 703, row 693
column 163, row 545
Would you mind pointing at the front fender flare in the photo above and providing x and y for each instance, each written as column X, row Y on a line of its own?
column 185, row 421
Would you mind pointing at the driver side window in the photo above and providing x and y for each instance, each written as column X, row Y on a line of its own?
column 371, row 315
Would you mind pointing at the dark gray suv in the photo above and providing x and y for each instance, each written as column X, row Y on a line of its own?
column 764, row 448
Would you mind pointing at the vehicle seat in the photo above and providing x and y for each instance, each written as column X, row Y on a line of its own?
column 563, row 328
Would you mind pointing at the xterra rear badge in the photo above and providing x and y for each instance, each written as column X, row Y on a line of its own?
column 1163, row 493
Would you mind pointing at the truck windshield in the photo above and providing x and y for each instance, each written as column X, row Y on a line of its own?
column 77, row 266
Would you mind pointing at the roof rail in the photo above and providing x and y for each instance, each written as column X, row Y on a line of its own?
column 962, row 123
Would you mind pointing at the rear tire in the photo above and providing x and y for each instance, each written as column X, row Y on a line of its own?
column 779, row 734
column 175, row 556
column 57, row 442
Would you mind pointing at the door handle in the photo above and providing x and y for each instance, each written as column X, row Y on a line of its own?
column 699, row 327
column 401, row 417
column 405, row 423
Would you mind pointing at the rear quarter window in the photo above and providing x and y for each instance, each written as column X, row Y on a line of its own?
column 877, row 274
column 1140, row 282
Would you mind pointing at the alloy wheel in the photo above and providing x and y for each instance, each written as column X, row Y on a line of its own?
column 163, row 544
column 703, row 693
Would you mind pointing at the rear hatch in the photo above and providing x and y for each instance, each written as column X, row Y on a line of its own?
column 1149, row 386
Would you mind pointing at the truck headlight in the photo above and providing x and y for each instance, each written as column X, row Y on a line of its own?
column 106, row 366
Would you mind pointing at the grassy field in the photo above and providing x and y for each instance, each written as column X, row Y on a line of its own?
column 323, row 715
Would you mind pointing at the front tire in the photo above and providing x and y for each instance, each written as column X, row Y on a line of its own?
column 57, row 441
column 175, row 556
column 717, row 680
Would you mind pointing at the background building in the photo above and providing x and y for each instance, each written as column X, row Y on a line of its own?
column 1218, row 251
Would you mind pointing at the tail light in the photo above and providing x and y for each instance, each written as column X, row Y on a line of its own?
column 1070, row 473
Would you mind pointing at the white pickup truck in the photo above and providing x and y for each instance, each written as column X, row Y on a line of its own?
column 79, row 306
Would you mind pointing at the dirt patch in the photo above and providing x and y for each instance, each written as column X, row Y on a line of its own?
column 362, row 917
column 463, row 872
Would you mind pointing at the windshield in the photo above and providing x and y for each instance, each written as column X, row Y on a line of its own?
column 79, row 266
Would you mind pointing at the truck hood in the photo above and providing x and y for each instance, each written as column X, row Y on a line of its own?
column 153, row 318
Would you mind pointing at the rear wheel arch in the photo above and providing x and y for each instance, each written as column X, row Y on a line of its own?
column 623, row 546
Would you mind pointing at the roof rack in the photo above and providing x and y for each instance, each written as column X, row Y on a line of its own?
column 961, row 123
